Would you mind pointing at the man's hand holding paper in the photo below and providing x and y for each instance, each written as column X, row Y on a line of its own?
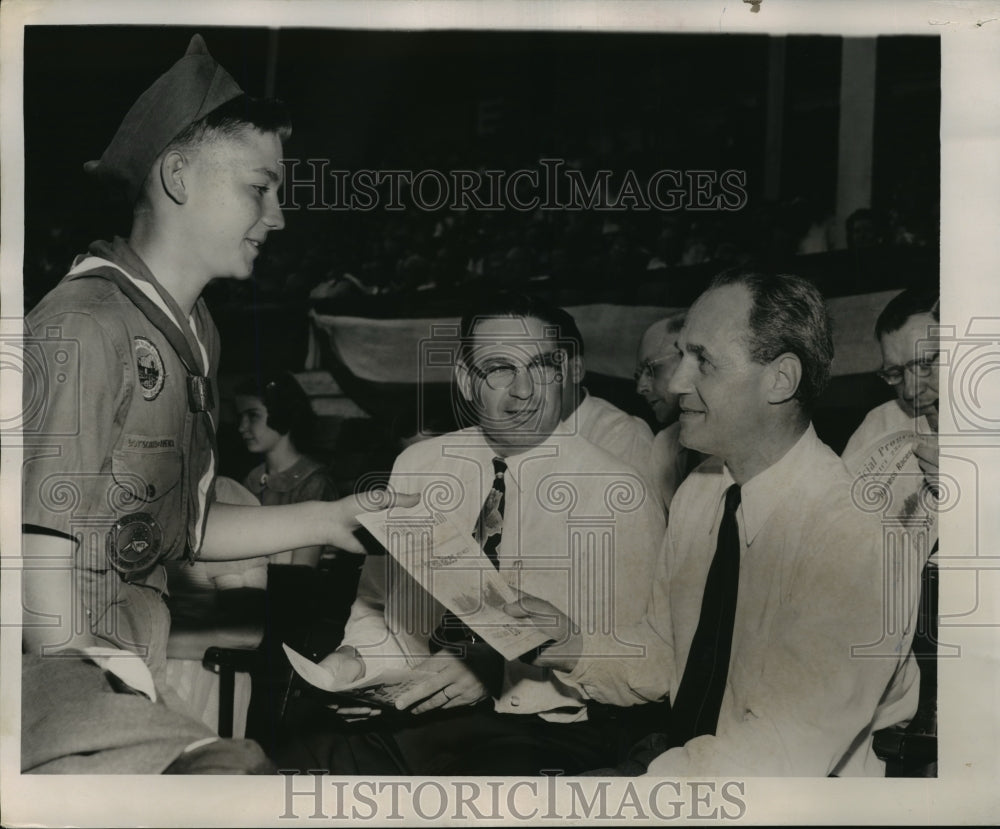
column 449, row 565
column 346, row 667
column 383, row 689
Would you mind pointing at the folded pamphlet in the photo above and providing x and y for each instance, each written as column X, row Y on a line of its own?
column 381, row 690
column 448, row 563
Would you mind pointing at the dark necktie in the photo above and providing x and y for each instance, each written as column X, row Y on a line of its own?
column 489, row 526
column 452, row 632
column 695, row 709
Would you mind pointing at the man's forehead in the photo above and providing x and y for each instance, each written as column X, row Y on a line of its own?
column 494, row 329
column 718, row 319
column 655, row 341
column 517, row 350
column 519, row 339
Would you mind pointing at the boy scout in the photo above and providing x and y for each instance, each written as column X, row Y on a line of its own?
column 120, row 475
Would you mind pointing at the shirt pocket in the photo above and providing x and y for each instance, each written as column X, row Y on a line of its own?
column 148, row 479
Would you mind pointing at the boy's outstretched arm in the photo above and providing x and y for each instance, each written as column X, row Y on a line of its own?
column 234, row 532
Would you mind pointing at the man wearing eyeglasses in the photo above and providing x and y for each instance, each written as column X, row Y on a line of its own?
column 656, row 359
column 895, row 450
column 904, row 429
column 556, row 515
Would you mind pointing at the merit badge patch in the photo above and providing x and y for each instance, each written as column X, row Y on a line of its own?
column 134, row 543
column 149, row 368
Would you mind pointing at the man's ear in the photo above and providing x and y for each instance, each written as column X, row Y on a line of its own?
column 786, row 374
column 464, row 379
column 575, row 370
column 173, row 169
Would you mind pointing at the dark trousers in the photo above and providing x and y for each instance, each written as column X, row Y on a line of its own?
column 467, row 741
column 636, row 760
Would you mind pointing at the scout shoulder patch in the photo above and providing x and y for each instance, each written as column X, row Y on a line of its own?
column 149, row 368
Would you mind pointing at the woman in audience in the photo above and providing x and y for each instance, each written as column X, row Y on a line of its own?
column 275, row 419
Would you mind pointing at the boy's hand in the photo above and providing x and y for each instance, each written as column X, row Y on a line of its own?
column 341, row 514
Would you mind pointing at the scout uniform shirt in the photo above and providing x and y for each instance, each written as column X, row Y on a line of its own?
column 115, row 458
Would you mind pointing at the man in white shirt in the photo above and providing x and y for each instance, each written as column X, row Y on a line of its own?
column 895, row 452
column 904, row 431
column 655, row 362
column 803, row 654
column 623, row 435
column 576, row 526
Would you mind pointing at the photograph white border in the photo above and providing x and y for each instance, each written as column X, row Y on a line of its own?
column 965, row 791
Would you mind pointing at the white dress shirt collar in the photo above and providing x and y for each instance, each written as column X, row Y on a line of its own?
column 480, row 449
column 766, row 490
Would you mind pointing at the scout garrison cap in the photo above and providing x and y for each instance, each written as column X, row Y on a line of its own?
column 187, row 92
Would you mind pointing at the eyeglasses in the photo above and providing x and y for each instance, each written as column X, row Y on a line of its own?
column 647, row 367
column 542, row 370
column 921, row 367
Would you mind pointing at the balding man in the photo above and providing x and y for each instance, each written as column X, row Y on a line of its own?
column 656, row 360
column 775, row 626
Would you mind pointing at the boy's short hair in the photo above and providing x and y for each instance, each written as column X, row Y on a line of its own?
column 268, row 115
